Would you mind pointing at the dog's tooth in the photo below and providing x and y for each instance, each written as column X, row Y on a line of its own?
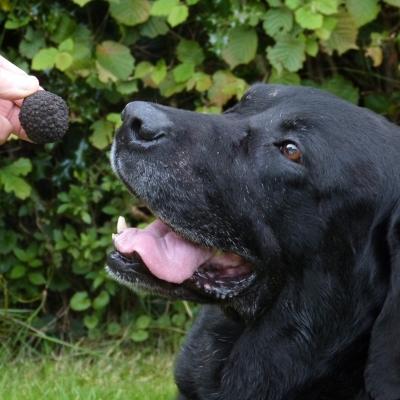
column 121, row 224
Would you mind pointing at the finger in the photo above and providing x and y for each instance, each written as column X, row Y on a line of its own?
column 4, row 63
column 22, row 135
column 5, row 129
column 13, row 118
column 15, row 86
column 20, row 101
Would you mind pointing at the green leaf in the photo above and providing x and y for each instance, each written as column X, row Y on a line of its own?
column 17, row 272
column 81, row 3
column 363, row 12
column 284, row 78
column 159, row 72
column 14, row 22
column 241, row 47
column 37, row 278
column 8, row 242
column 86, row 218
column 102, row 135
column 101, row 300
column 293, row 4
column 130, row 12
column 378, row 102
column 189, row 51
column 15, row 184
column 114, row 61
column 24, row 255
column 20, row 167
column 44, row 59
column 63, row 61
column 328, row 26
column 342, row 87
column 307, row 18
column 128, row 87
column 312, row 47
column 91, row 321
column 139, row 335
column 344, row 36
column 178, row 15
column 183, row 72
column 32, row 43
column 225, row 86
column 155, row 26
column 395, row 3
column 163, row 7
column 113, row 328
column 66, row 45
column 288, row 53
column 115, row 119
column 80, row 301
column 143, row 322
column 164, row 321
column 327, row 7
column 338, row 86
column 143, row 69
column 178, row 319
column 200, row 81
column 278, row 21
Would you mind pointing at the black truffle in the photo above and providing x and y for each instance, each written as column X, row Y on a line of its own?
column 44, row 117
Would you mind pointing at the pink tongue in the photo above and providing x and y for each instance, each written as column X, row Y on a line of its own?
column 167, row 256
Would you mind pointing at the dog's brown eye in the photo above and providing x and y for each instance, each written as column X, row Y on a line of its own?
column 291, row 151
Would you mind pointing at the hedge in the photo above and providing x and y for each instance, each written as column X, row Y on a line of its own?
column 59, row 203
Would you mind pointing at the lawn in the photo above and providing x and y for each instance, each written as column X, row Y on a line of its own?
column 70, row 377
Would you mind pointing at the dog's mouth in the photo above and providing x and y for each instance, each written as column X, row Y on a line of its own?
column 159, row 259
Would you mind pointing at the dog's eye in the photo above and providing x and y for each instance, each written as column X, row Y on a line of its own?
column 291, row 151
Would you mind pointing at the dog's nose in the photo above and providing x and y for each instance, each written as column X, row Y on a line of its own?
column 146, row 121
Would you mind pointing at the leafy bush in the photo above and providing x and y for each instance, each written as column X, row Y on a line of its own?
column 59, row 203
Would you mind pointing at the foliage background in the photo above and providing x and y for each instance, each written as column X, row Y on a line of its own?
column 59, row 202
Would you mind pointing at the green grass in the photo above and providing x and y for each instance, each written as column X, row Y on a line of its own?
column 70, row 377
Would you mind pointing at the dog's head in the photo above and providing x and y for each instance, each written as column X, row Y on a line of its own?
column 292, row 187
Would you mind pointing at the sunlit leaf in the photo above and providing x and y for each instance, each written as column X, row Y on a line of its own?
column 241, row 47
column 139, row 335
column 278, row 21
column 130, row 12
column 102, row 134
column 178, row 15
column 189, row 51
column 363, row 12
column 344, row 36
column 116, row 61
column 183, row 72
column 288, row 53
column 163, row 7
column 80, row 301
column 44, row 59
column 307, row 18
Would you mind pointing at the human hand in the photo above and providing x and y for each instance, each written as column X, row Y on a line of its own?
column 15, row 85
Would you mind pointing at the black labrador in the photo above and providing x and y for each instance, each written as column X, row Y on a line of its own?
column 283, row 216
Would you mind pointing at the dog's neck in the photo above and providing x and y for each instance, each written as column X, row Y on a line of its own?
column 302, row 336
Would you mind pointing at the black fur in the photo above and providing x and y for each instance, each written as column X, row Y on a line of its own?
column 322, row 319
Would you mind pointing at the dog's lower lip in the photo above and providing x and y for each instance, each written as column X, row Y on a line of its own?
column 218, row 288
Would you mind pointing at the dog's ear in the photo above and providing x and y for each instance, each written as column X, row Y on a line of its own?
column 382, row 374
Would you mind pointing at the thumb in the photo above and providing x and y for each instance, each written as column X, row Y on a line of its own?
column 16, row 86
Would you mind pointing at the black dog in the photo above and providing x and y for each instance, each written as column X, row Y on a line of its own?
column 283, row 215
